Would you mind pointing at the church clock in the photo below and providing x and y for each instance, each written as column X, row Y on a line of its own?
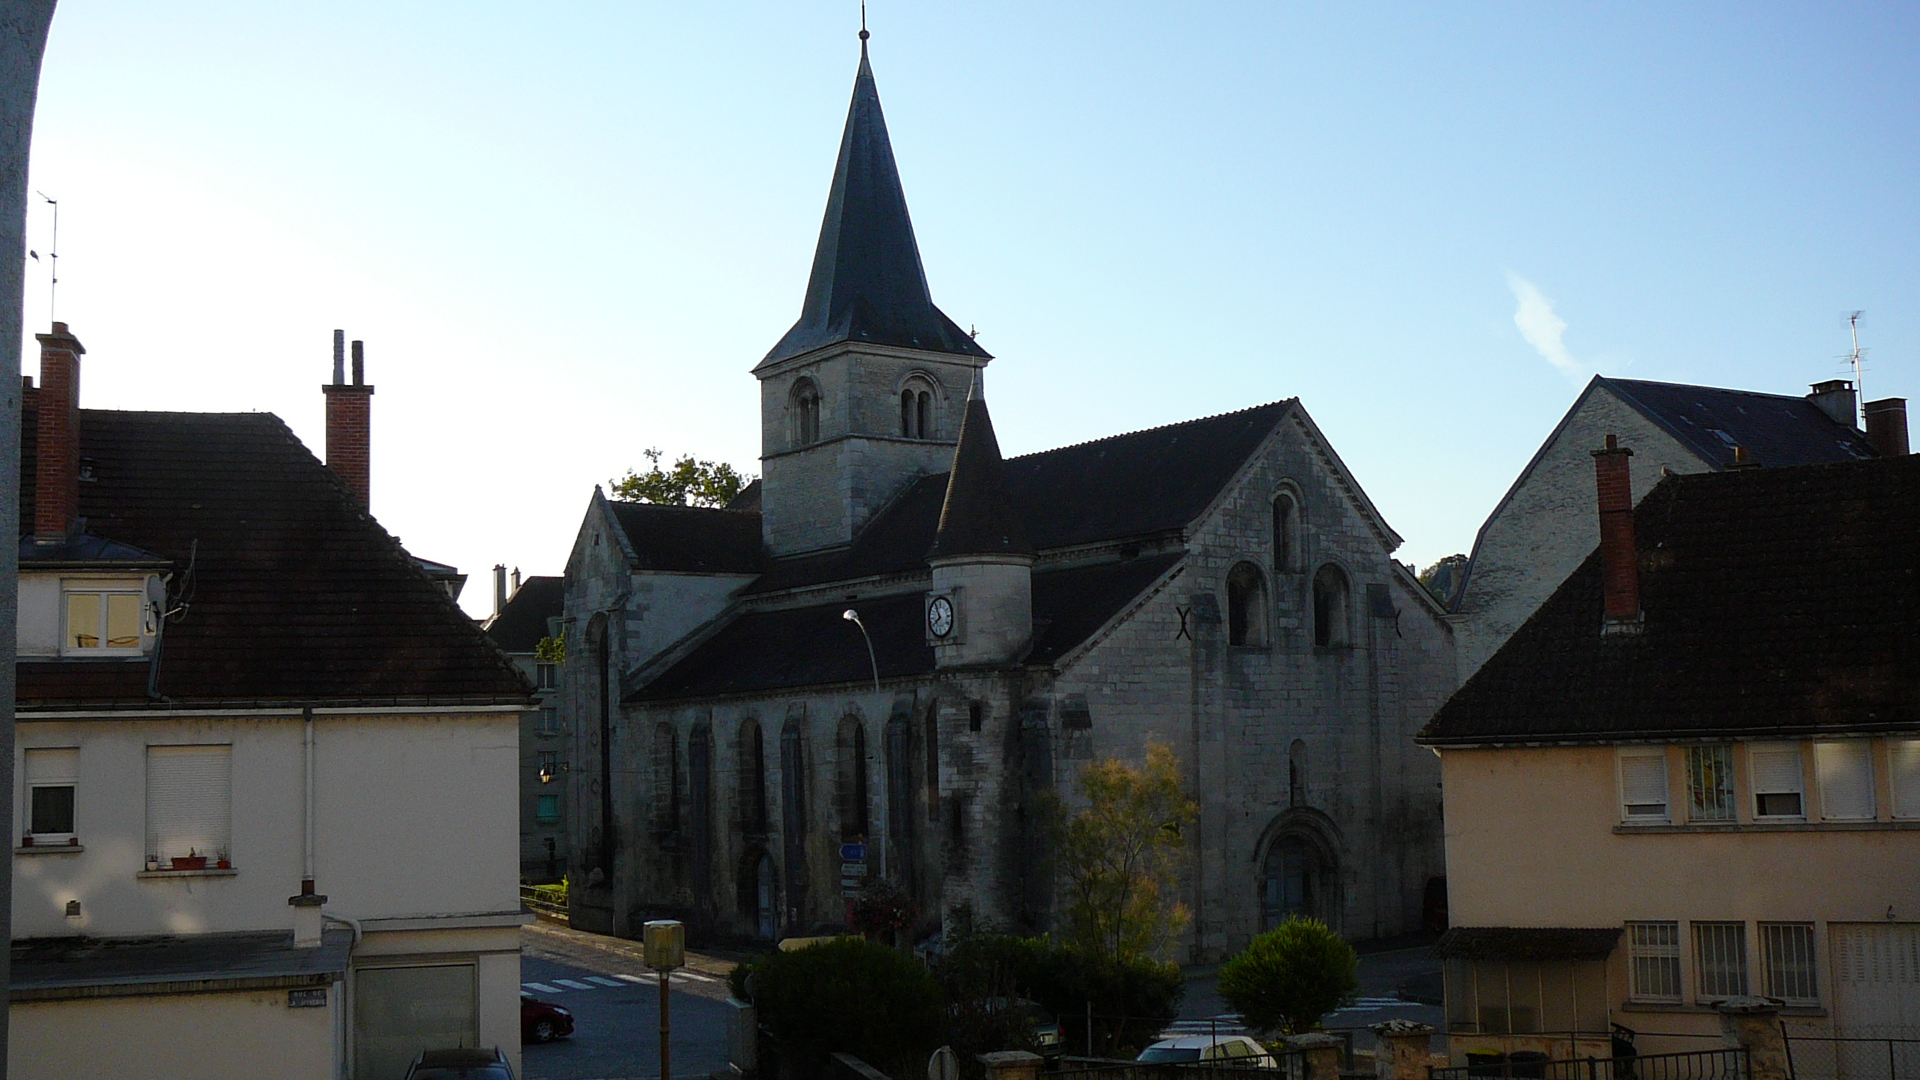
column 940, row 617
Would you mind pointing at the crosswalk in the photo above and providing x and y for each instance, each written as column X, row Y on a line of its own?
column 1375, row 1004
column 619, row 981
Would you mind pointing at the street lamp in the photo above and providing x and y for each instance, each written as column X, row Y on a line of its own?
column 853, row 617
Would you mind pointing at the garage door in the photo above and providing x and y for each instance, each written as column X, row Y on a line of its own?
column 398, row 1012
column 1876, row 979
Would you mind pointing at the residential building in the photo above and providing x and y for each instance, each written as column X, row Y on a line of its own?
column 889, row 654
column 266, row 767
column 1694, row 774
column 525, row 615
column 1543, row 527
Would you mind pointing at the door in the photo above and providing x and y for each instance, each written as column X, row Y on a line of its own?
column 400, row 1011
column 1876, row 977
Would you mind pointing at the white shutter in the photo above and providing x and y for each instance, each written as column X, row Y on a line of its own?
column 189, row 801
column 1845, row 770
column 1904, row 755
column 1643, row 785
column 1775, row 768
column 53, row 766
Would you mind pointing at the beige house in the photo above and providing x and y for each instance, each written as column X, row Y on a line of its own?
column 266, row 769
column 1694, row 774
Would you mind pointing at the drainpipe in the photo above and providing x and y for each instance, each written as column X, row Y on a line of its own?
column 306, row 865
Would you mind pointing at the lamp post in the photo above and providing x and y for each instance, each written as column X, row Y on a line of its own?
column 853, row 617
column 665, row 943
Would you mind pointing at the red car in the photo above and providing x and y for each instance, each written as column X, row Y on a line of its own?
column 543, row 1021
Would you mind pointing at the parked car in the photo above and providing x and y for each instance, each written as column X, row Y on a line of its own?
column 543, row 1021
column 1236, row 1050
column 468, row 1064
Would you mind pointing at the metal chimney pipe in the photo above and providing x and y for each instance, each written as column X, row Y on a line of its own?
column 339, row 357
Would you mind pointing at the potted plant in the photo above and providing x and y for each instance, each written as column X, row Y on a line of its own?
column 27, row 840
column 192, row 860
column 222, row 861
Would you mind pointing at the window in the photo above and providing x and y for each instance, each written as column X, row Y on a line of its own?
column 1246, row 606
column 547, row 809
column 1903, row 757
column 189, row 803
column 1329, row 606
column 544, row 677
column 549, row 766
column 51, row 778
column 1297, row 773
column 1778, row 789
column 1286, row 541
column 1720, row 958
column 1653, row 957
column 102, row 621
column 1643, row 786
column 666, row 780
column 851, row 778
column 805, row 413
column 1786, row 950
column 1845, row 771
column 916, row 411
column 1710, row 783
column 548, row 722
column 753, row 779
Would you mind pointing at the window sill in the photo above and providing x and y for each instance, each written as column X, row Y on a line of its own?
column 50, row 849
column 158, row 875
column 1771, row 827
column 1708, row 1010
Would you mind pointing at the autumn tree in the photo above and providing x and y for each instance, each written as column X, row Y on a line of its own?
column 686, row 483
column 1120, row 858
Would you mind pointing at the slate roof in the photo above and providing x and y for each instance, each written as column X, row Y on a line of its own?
column 1137, row 484
column 868, row 284
column 47, row 969
column 1778, row 602
column 692, row 539
column 976, row 517
column 1775, row 429
column 293, row 593
column 1527, row 943
column 522, row 621
column 768, row 650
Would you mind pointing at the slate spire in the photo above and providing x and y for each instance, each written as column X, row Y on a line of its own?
column 868, row 284
column 978, row 518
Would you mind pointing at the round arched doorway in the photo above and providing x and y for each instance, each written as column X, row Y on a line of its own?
column 1294, row 881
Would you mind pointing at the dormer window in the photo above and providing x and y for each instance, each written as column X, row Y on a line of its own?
column 102, row 620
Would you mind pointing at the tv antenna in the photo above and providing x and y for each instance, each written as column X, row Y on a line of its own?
column 1855, row 356
column 53, row 253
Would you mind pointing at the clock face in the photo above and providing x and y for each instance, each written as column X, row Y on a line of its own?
column 940, row 616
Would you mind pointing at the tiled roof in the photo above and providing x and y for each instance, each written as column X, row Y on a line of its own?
column 769, row 650
column 976, row 518
column 1527, row 943
column 1775, row 429
column 522, row 622
column 49, row 969
column 1778, row 602
column 292, row 593
column 691, row 539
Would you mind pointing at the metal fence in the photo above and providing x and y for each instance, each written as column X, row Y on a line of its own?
column 550, row 900
column 1721, row 1064
column 1834, row 1057
column 1290, row 1065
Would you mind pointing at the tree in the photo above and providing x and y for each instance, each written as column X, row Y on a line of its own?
column 848, row 995
column 687, row 483
column 1120, row 858
column 1291, row 976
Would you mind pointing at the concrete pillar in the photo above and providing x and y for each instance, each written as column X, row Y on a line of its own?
column 743, row 1039
column 1011, row 1065
column 1403, row 1050
column 1753, row 1024
column 1322, row 1051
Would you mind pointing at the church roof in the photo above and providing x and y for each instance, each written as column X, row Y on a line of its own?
column 1777, row 602
column 1775, row 429
column 522, row 621
column 977, row 518
column 868, row 284
column 690, row 539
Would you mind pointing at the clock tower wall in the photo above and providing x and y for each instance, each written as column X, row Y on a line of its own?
column 992, row 599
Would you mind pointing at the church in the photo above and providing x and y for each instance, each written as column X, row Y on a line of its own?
column 888, row 654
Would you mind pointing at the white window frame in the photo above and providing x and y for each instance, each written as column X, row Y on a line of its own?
column 1903, row 768
column 103, row 590
column 1645, row 943
column 43, row 770
column 1795, row 943
column 1725, row 942
column 1767, row 775
column 1627, row 816
column 1841, row 766
column 210, row 817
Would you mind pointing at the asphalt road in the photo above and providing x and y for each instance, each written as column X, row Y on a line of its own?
column 1381, row 975
column 615, row 1001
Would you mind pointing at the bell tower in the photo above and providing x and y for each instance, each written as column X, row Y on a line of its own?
column 867, row 391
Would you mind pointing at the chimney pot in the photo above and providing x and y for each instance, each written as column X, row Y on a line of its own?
column 339, row 357
column 359, row 363
column 499, row 587
column 1887, row 426
column 1619, row 565
column 1837, row 399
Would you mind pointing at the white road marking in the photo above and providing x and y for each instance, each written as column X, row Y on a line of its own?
column 603, row 981
column 632, row 978
column 539, row 988
column 570, row 984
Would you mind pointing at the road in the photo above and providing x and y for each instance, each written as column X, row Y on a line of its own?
column 1381, row 975
column 615, row 1001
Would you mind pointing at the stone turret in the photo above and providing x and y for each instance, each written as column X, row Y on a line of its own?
column 982, row 594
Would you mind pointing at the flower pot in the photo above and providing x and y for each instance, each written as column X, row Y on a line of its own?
column 189, row 862
column 224, row 865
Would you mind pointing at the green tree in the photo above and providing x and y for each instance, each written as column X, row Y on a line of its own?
column 848, row 995
column 1121, row 857
column 686, row 483
column 1291, row 976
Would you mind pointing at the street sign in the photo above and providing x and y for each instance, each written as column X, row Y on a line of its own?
column 944, row 1065
column 853, row 852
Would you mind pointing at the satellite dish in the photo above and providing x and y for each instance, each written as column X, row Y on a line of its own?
column 943, row 1065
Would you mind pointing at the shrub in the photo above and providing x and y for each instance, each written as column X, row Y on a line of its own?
column 852, row 996
column 1291, row 976
column 1133, row 1000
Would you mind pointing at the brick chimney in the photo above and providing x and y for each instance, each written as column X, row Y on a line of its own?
column 1836, row 398
column 56, row 480
column 1619, row 559
column 350, row 422
column 1887, row 426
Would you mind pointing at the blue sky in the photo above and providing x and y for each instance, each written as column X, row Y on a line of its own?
column 566, row 236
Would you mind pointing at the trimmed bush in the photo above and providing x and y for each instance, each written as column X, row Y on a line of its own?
column 1133, row 1000
column 852, row 996
column 1291, row 976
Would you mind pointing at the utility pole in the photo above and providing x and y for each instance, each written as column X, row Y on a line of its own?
column 665, row 942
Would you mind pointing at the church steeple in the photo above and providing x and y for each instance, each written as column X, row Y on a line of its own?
column 977, row 517
column 868, row 285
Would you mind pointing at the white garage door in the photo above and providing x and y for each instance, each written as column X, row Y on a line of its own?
column 398, row 1012
column 1876, row 979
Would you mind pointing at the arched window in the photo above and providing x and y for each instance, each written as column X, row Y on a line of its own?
column 1290, row 883
column 1330, row 618
column 916, row 410
column 851, row 778
column 805, row 409
column 1297, row 773
column 666, row 782
column 1286, row 533
column 753, row 779
column 700, row 807
column 901, row 790
column 757, row 907
column 907, row 414
column 1246, row 605
column 793, row 815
